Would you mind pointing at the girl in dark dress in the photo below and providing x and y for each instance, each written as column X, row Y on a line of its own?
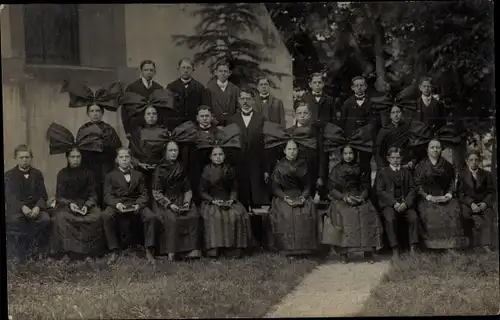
column 77, row 225
column 352, row 223
column 147, row 144
column 436, row 182
column 99, row 163
column 226, row 222
column 173, row 198
column 292, row 216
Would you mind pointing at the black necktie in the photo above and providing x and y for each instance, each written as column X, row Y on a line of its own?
column 360, row 98
column 246, row 114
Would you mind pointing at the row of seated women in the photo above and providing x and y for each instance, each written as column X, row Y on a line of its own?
column 174, row 226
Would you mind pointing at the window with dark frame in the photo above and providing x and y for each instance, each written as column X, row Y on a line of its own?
column 51, row 34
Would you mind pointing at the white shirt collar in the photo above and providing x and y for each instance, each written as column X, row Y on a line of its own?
column 146, row 84
column 265, row 95
column 123, row 170
column 298, row 125
column 185, row 81
column 429, row 98
column 474, row 171
column 222, row 84
column 395, row 168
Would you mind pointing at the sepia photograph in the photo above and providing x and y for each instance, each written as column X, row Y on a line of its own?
column 249, row 160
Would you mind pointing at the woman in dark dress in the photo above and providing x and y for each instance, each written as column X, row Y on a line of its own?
column 352, row 223
column 292, row 217
column 173, row 199
column 99, row 163
column 77, row 225
column 436, row 182
column 226, row 222
column 147, row 144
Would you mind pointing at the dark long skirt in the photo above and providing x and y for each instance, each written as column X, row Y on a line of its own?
column 181, row 231
column 226, row 228
column 293, row 230
column 352, row 229
column 75, row 233
column 441, row 225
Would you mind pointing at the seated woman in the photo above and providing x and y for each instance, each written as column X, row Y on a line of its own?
column 173, row 199
column 226, row 222
column 77, row 225
column 292, row 216
column 439, row 210
column 99, row 163
column 352, row 223
column 476, row 192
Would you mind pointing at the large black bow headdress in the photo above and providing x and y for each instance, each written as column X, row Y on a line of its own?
column 186, row 132
column 387, row 102
column 81, row 95
column 137, row 104
column 227, row 137
column 276, row 135
column 61, row 140
column 335, row 138
column 447, row 134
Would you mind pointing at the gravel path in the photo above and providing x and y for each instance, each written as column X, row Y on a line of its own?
column 332, row 290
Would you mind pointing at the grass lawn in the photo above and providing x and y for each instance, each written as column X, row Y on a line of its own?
column 438, row 284
column 132, row 289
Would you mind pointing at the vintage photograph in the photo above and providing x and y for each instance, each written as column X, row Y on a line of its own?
column 265, row 160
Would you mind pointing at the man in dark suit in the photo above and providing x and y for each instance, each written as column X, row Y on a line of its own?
column 396, row 193
column 271, row 107
column 144, row 86
column 322, row 109
column 223, row 94
column 189, row 95
column 27, row 222
column 250, row 161
column 125, row 194
column 429, row 110
column 476, row 193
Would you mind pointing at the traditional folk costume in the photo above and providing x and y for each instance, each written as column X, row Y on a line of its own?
column 223, row 99
column 26, row 187
column 226, row 225
column 76, row 232
column 294, row 229
column 146, row 143
column 102, row 162
column 350, row 227
column 132, row 119
column 180, row 230
column 476, row 187
column 188, row 96
column 441, row 222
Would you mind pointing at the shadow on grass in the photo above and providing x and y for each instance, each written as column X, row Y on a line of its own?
column 438, row 284
column 130, row 288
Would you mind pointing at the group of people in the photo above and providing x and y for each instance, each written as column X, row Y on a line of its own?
column 201, row 160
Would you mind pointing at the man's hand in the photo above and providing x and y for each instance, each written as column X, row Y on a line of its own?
column 26, row 211
column 289, row 201
column 403, row 207
column 481, row 206
column 143, row 165
column 397, row 207
column 230, row 202
column 431, row 198
column 474, row 207
column 84, row 210
column 35, row 212
column 266, row 177
column 120, row 207
column 174, row 208
column 218, row 203
column 410, row 165
column 73, row 207
column 136, row 208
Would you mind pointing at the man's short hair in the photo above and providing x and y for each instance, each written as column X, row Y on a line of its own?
column 423, row 79
column 301, row 103
column 259, row 79
column 145, row 62
column 356, row 78
column 203, row 107
column 123, row 149
column 248, row 90
column 475, row 151
column 185, row 59
column 22, row 148
column 317, row 74
column 393, row 150
column 222, row 63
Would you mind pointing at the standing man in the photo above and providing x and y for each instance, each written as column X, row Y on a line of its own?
column 144, row 87
column 223, row 94
column 189, row 94
column 271, row 107
column 250, row 162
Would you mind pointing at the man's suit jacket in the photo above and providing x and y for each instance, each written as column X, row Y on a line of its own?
column 117, row 190
column 131, row 123
column 272, row 109
column 224, row 103
column 384, row 184
column 476, row 191
column 188, row 97
column 432, row 115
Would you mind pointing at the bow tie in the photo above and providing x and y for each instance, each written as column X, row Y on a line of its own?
column 126, row 172
column 264, row 97
column 246, row 113
column 317, row 95
column 360, row 98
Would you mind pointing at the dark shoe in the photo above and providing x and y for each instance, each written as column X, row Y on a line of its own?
column 150, row 257
column 413, row 249
column 395, row 253
column 345, row 259
column 369, row 257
